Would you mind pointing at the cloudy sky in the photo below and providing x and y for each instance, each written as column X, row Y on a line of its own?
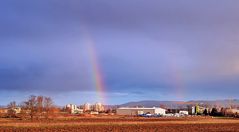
column 145, row 50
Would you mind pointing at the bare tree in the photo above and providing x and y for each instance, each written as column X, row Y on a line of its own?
column 48, row 105
column 31, row 106
column 11, row 112
column 12, row 105
column 36, row 107
column 39, row 106
column 23, row 113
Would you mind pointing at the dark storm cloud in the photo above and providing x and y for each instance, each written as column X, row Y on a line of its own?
column 141, row 45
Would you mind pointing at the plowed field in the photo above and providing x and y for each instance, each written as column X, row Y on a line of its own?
column 122, row 124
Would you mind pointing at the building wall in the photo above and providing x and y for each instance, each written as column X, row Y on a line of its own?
column 73, row 108
column 98, row 107
column 160, row 111
column 87, row 107
column 17, row 110
column 183, row 112
column 235, row 111
column 134, row 111
column 230, row 112
column 193, row 110
column 138, row 111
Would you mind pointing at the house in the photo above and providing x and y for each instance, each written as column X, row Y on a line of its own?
column 17, row 110
column 140, row 111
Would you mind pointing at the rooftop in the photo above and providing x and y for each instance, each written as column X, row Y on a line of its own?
column 152, row 108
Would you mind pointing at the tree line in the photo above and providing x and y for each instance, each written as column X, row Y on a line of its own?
column 35, row 107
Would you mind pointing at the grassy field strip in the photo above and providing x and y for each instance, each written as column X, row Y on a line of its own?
column 34, row 124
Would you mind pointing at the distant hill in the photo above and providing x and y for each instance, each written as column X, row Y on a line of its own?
column 182, row 104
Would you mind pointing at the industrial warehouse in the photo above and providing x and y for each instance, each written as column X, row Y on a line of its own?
column 140, row 111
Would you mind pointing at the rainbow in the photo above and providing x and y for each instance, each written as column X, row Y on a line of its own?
column 178, row 82
column 97, row 76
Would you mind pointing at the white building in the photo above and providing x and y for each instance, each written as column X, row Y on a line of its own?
column 139, row 111
column 231, row 112
column 94, row 112
column 17, row 110
column 98, row 107
column 87, row 107
column 235, row 111
column 193, row 110
column 74, row 109
column 183, row 112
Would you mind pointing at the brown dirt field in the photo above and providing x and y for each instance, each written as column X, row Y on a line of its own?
column 122, row 124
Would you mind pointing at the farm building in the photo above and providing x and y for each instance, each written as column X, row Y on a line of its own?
column 230, row 112
column 139, row 111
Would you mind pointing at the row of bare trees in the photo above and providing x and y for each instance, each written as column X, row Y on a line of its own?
column 36, row 107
